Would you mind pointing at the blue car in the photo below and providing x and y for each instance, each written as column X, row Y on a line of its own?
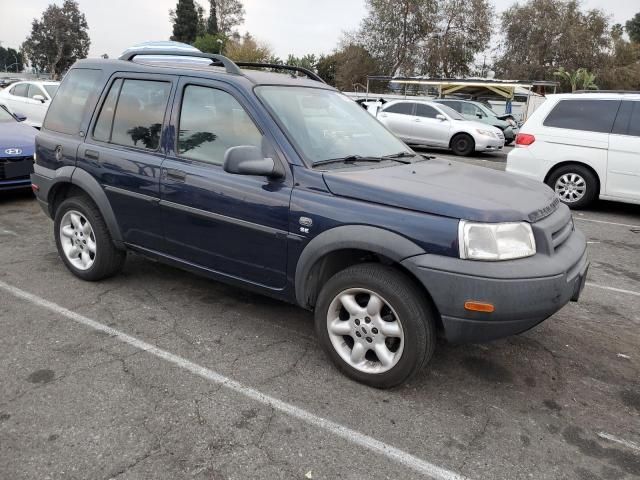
column 17, row 143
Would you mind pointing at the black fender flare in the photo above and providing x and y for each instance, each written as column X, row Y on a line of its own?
column 90, row 185
column 361, row 237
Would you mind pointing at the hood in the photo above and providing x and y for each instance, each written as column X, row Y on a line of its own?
column 449, row 189
column 17, row 135
column 478, row 125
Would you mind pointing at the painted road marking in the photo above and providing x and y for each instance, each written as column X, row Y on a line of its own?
column 612, row 289
column 353, row 436
column 607, row 223
column 621, row 441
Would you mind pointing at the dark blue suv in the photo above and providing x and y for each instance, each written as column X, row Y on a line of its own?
column 279, row 183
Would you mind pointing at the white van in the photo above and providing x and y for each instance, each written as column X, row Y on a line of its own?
column 584, row 146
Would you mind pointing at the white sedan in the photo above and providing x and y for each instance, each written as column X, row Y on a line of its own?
column 30, row 99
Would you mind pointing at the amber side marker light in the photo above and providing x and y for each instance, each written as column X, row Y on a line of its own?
column 479, row 307
column 35, row 187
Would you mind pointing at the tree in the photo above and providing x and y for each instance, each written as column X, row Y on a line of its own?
column 580, row 79
column 540, row 36
column 352, row 65
column 210, row 43
column 247, row 49
column 230, row 15
column 58, row 39
column 633, row 28
column 393, row 29
column 11, row 60
column 185, row 21
column 202, row 20
column 326, row 68
column 212, row 21
column 463, row 29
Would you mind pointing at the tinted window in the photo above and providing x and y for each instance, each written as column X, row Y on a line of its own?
column 20, row 90
column 34, row 90
column 211, row 121
column 469, row 109
column 634, row 124
column 67, row 108
column 139, row 113
column 455, row 105
column 102, row 130
column 426, row 111
column 588, row 115
column 621, row 125
column 51, row 89
column 405, row 108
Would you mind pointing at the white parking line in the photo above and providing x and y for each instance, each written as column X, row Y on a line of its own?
column 606, row 223
column 621, row 441
column 612, row 289
column 365, row 441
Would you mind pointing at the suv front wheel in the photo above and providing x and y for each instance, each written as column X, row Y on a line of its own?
column 83, row 240
column 375, row 325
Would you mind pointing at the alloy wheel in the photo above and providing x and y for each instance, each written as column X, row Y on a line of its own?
column 78, row 240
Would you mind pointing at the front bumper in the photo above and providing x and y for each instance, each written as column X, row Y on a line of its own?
column 488, row 144
column 524, row 292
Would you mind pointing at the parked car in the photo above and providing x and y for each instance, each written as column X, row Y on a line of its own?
column 17, row 143
column 480, row 112
column 583, row 145
column 29, row 98
column 421, row 122
column 283, row 185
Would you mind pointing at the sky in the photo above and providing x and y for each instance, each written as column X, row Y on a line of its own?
column 287, row 26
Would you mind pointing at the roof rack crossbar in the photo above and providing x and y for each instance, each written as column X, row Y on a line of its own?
column 229, row 66
column 275, row 66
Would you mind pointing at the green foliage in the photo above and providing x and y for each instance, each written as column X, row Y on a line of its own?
column 247, row 49
column 633, row 28
column 212, row 21
column 580, row 79
column 230, row 15
column 210, row 43
column 58, row 39
column 11, row 60
column 185, row 22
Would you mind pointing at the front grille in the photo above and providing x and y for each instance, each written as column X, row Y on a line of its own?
column 15, row 168
column 552, row 231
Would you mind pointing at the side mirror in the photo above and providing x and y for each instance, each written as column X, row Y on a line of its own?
column 19, row 117
column 441, row 117
column 39, row 98
column 249, row 160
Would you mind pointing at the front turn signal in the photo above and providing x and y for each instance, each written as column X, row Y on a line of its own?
column 479, row 306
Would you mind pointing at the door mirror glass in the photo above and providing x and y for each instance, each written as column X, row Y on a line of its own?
column 441, row 117
column 249, row 160
column 39, row 98
column 19, row 116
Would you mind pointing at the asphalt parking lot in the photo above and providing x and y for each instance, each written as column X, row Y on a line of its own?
column 158, row 373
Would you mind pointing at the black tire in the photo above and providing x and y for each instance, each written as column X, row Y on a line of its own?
column 413, row 310
column 590, row 180
column 462, row 144
column 508, row 142
column 108, row 260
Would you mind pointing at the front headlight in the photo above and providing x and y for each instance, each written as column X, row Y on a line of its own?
column 495, row 241
column 487, row 133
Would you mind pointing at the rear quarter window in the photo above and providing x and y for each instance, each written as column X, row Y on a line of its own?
column 68, row 107
column 585, row 115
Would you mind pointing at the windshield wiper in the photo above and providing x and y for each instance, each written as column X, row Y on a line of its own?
column 399, row 155
column 396, row 157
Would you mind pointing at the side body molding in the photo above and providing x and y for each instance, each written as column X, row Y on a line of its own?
column 361, row 237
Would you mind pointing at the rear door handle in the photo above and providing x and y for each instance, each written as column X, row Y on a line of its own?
column 92, row 154
column 177, row 175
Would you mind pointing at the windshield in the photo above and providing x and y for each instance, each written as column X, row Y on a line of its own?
column 486, row 110
column 451, row 112
column 324, row 124
column 51, row 89
column 5, row 116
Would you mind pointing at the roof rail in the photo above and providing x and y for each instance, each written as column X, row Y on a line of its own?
column 275, row 66
column 229, row 66
column 636, row 92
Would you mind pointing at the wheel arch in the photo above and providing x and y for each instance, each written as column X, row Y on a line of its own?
column 341, row 247
column 575, row 162
column 459, row 133
column 78, row 183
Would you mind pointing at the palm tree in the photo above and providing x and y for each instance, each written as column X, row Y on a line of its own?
column 579, row 79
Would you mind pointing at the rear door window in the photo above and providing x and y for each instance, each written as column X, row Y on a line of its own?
column 405, row 108
column 34, row 90
column 634, row 124
column 586, row 115
column 139, row 113
column 102, row 129
column 20, row 90
column 67, row 109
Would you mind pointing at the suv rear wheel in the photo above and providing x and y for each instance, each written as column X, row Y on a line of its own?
column 462, row 144
column 575, row 185
column 375, row 325
column 83, row 241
